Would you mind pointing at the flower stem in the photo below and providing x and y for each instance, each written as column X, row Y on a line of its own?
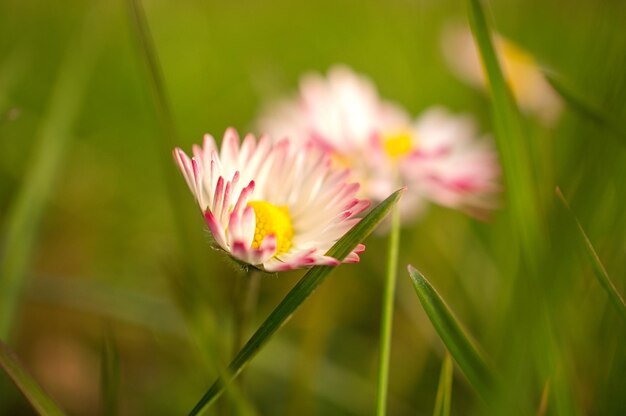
column 387, row 313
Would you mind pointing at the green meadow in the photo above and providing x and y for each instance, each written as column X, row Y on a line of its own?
column 113, row 300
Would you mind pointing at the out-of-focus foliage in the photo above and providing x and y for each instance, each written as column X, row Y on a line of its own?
column 107, row 257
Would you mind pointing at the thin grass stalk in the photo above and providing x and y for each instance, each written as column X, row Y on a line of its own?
column 246, row 298
column 168, row 139
column 386, row 323
column 444, row 390
column 109, row 375
column 598, row 267
column 586, row 108
column 148, row 53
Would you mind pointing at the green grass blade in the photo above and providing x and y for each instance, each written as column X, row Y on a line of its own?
column 510, row 135
column 25, row 211
column 35, row 395
column 463, row 351
column 109, row 376
column 387, row 314
column 444, row 390
column 598, row 268
column 584, row 107
column 149, row 56
column 307, row 284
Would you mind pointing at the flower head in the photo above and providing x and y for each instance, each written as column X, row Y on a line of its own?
column 522, row 72
column 436, row 156
column 276, row 206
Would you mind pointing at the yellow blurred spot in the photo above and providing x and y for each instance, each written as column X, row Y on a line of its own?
column 514, row 53
column 271, row 219
column 399, row 144
column 519, row 66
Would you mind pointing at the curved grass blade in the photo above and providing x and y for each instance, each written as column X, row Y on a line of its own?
column 55, row 133
column 35, row 395
column 444, row 390
column 307, row 284
column 463, row 351
column 510, row 135
column 598, row 268
column 581, row 104
column 109, row 376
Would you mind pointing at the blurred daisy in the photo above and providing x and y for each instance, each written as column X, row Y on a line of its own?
column 522, row 72
column 275, row 206
column 436, row 156
column 450, row 165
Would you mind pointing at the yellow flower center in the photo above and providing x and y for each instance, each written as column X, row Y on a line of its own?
column 398, row 144
column 271, row 219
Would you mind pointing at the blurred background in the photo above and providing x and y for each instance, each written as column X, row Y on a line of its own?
column 115, row 260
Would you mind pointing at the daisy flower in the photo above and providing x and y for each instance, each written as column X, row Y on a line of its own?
column 273, row 205
column 436, row 156
column 522, row 72
column 450, row 164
